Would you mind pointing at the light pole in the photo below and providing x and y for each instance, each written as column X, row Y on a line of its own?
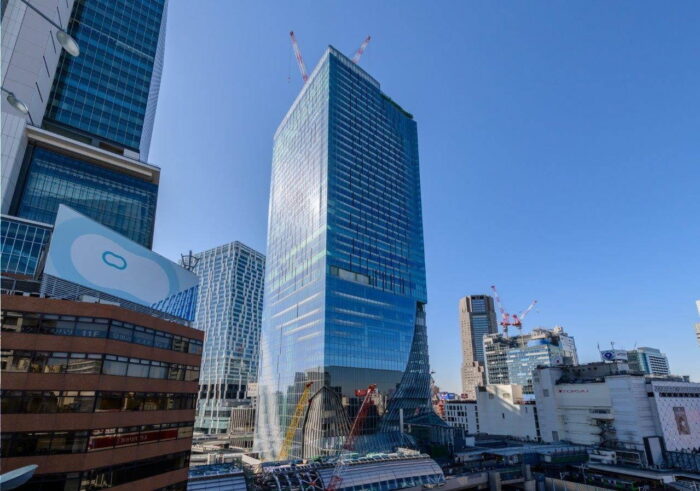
column 64, row 39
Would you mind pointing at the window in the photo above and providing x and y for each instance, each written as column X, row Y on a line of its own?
column 115, row 365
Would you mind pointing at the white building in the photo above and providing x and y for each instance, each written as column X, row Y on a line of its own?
column 462, row 414
column 30, row 54
column 229, row 310
column 606, row 404
column 498, row 410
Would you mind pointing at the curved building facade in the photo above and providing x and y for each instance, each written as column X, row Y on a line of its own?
column 345, row 275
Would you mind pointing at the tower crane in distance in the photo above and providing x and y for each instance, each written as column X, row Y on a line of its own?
column 294, row 423
column 300, row 59
column 349, row 444
column 515, row 320
column 360, row 50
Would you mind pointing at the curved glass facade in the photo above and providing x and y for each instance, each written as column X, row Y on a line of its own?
column 345, row 279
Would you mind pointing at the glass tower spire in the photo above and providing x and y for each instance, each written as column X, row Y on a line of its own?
column 345, row 275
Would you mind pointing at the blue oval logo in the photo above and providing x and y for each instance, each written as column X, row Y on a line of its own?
column 113, row 260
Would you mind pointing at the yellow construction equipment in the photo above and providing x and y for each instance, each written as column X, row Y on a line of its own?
column 294, row 423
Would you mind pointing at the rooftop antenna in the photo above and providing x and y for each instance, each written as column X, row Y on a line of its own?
column 300, row 60
column 361, row 49
column 189, row 261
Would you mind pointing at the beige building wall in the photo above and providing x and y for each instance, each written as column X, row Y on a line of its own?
column 476, row 318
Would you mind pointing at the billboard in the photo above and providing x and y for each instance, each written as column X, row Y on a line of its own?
column 613, row 355
column 91, row 255
column 681, row 420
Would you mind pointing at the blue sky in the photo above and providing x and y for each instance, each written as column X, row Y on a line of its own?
column 559, row 146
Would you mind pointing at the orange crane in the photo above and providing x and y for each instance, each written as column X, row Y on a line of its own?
column 294, row 423
column 349, row 444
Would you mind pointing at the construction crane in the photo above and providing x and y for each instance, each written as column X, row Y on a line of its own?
column 349, row 444
column 515, row 320
column 294, row 423
column 505, row 316
column 361, row 49
column 297, row 54
column 518, row 319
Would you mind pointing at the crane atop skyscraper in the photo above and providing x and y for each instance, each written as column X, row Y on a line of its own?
column 360, row 50
column 297, row 54
column 300, row 59
column 515, row 320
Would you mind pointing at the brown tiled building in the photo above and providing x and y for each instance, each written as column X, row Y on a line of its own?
column 96, row 395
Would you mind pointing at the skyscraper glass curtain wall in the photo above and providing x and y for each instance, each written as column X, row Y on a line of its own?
column 345, row 280
column 111, row 89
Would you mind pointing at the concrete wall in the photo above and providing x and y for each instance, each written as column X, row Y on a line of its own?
column 502, row 412
column 30, row 54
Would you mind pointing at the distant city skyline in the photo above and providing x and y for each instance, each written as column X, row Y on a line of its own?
column 570, row 131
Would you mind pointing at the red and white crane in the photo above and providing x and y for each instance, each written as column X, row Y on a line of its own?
column 361, row 49
column 515, row 320
column 349, row 445
column 300, row 59
column 297, row 54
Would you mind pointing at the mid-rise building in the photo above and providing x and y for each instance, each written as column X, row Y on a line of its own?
column 229, row 311
column 90, row 125
column 96, row 394
column 512, row 360
column 345, row 288
column 648, row 360
column 610, row 405
column 477, row 318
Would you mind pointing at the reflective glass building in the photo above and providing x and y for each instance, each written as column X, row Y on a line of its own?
column 229, row 311
column 122, row 202
column 110, row 91
column 91, row 150
column 345, row 278
column 477, row 318
column 22, row 244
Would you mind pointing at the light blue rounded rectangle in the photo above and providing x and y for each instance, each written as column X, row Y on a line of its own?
column 85, row 252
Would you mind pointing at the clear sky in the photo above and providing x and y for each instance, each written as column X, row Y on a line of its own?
column 559, row 146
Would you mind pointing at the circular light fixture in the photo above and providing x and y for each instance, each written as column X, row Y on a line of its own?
column 16, row 103
column 68, row 43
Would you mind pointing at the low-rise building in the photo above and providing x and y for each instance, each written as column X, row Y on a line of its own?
column 504, row 410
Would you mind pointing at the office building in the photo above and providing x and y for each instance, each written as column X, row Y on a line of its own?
column 512, row 360
column 30, row 55
column 648, row 360
column 96, row 395
column 345, row 285
column 229, row 311
column 609, row 405
column 477, row 318
column 90, row 125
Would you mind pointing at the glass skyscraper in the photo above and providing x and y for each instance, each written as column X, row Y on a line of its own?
column 91, row 150
column 124, row 203
column 110, row 91
column 229, row 311
column 345, row 279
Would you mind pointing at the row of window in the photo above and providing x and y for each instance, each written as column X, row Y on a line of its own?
column 96, row 327
column 92, row 363
column 106, row 477
column 88, row 401
column 82, row 441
